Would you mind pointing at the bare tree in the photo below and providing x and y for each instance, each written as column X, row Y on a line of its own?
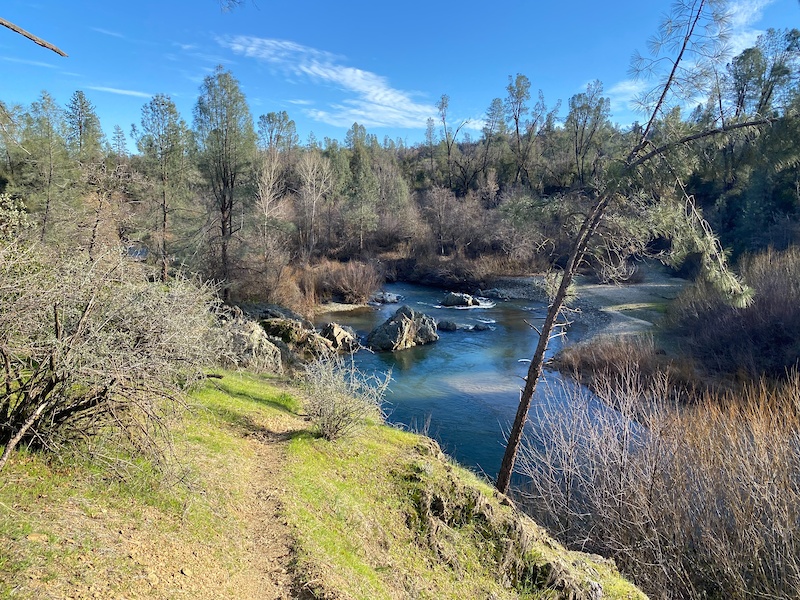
column 448, row 135
column 316, row 182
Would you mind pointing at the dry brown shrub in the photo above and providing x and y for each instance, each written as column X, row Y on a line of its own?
column 610, row 358
column 693, row 502
column 351, row 282
column 760, row 339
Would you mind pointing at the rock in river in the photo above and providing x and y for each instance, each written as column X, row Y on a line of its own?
column 406, row 328
column 343, row 338
column 458, row 299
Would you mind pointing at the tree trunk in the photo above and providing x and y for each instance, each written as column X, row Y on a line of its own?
column 536, row 367
column 164, row 230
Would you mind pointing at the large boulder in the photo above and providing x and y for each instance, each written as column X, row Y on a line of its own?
column 458, row 299
column 343, row 338
column 247, row 345
column 405, row 329
column 302, row 341
column 447, row 325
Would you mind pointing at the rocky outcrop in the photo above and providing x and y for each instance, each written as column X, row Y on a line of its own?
column 405, row 329
column 344, row 339
column 247, row 345
column 459, row 299
column 294, row 337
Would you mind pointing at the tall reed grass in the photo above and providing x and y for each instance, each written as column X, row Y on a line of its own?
column 693, row 501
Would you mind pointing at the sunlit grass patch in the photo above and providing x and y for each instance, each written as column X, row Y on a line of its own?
column 386, row 515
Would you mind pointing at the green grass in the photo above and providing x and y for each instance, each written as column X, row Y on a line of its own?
column 359, row 509
column 70, row 524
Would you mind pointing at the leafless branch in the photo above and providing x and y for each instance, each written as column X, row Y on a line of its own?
column 31, row 37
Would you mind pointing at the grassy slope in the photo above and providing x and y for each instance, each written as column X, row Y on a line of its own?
column 382, row 515
column 386, row 515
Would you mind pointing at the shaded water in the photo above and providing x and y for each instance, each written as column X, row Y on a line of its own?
column 464, row 389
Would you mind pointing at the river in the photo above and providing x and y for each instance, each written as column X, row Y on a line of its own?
column 463, row 390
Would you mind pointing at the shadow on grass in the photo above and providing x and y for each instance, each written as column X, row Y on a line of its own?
column 234, row 406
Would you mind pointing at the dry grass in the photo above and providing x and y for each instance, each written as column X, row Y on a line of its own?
column 693, row 502
column 603, row 359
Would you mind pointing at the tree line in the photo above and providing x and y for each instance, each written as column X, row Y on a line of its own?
column 239, row 199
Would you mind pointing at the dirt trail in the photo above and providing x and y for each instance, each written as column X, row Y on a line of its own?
column 262, row 567
column 269, row 539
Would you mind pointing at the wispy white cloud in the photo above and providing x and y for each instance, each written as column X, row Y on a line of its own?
column 22, row 61
column 373, row 102
column 744, row 14
column 107, row 32
column 623, row 94
column 301, row 102
column 119, row 91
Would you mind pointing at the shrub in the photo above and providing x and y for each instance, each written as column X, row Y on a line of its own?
column 341, row 398
column 762, row 338
column 611, row 358
column 353, row 282
column 93, row 346
column 692, row 502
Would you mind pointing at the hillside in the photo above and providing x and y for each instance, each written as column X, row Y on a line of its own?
column 262, row 508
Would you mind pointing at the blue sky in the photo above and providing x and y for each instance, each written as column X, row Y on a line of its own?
column 328, row 64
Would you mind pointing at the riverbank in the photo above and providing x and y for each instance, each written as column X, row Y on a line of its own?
column 605, row 309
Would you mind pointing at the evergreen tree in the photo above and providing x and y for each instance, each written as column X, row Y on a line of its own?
column 164, row 143
column 84, row 134
column 227, row 145
column 45, row 175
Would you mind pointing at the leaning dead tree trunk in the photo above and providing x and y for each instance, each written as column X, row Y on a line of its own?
column 31, row 37
column 537, row 363
column 693, row 15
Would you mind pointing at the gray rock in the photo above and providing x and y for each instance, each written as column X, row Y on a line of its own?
column 306, row 343
column 343, row 338
column 405, row 329
column 247, row 345
column 386, row 298
column 458, row 299
column 447, row 326
column 481, row 327
column 495, row 294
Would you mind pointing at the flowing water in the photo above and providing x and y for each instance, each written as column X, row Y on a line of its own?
column 464, row 389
